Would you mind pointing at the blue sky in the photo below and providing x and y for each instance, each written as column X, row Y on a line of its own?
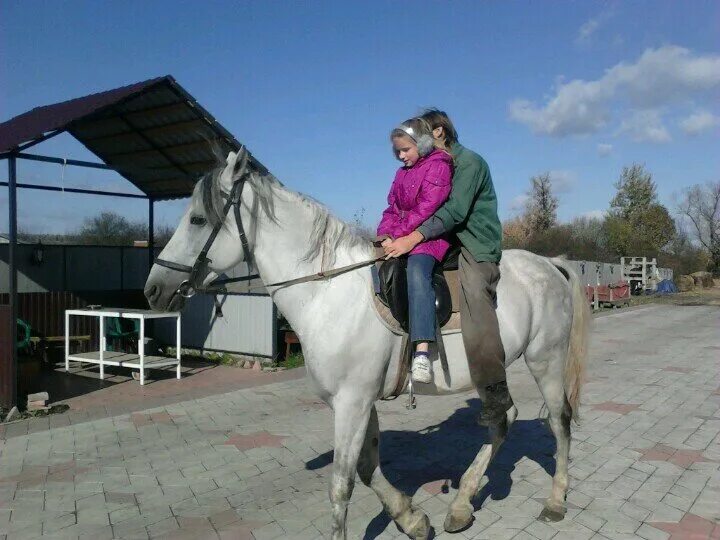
column 313, row 88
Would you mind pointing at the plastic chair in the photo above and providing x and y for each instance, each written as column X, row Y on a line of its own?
column 25, row 329
column 122, row 330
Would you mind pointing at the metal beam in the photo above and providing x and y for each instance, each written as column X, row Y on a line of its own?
column 45, row 137
column 184, row 146
column 198, row 166
column 62, row 161
column 102, row 124
column 185, row 125
column 77, row 190
column 159, row 149
column 11, row 371
column 151, row 232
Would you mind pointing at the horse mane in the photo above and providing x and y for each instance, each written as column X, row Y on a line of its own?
column 328, row 233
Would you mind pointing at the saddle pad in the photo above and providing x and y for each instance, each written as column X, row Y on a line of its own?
column 383, row 312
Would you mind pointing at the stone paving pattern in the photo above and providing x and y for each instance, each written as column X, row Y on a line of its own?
column 254, row 463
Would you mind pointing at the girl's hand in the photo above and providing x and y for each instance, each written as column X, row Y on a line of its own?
column 386, row 242
column 403, row 245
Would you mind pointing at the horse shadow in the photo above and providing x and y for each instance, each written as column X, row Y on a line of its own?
column 444, row 451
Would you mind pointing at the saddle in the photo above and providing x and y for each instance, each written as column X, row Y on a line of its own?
column 391, row 288
column 391, row 303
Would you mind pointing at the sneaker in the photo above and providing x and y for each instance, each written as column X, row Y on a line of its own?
column 421, row 371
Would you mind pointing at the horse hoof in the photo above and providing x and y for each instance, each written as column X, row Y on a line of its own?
column 458, row 520
column 549, row 515
column 420, row 530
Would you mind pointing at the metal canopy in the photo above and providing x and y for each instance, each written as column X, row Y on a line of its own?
column 153, row 133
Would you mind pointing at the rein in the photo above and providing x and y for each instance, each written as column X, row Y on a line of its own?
column 190, row 286
column 287, row 283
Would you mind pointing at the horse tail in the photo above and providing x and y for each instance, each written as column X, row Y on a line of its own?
column 579, row 338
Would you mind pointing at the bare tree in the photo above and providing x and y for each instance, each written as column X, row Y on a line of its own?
column 701, row 208
column 541, row 208
column 359, row 226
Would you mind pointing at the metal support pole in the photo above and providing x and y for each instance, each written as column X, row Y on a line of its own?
column 11, row 372
column 151, row 232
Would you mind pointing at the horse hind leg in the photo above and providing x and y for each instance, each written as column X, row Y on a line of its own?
column 555, row 507
column 398, row 505
column 549, row 375
column 460, row 513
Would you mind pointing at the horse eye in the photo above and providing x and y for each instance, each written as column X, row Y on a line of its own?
column 198, row 220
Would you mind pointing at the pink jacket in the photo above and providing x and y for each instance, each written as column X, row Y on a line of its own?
column 415, row 195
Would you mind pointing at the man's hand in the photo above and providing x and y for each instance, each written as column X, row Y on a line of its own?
column 404, row 244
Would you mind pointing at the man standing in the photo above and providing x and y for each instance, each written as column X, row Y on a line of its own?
column 471, row 214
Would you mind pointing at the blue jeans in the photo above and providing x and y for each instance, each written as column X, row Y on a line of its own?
column 421, row 297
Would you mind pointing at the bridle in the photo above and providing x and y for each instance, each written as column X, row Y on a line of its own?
column 190, row 286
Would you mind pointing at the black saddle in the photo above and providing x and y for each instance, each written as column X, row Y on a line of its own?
column 393, row 292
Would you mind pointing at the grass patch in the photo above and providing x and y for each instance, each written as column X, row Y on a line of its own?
column 294, row 360
column 55, row 409
column 222, row 358
column 697, row 297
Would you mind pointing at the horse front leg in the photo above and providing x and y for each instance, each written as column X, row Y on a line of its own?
column 396, row 503
column 460, row 513
column 351, row 420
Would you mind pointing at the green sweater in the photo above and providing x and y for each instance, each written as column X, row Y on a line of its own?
column 471, row 210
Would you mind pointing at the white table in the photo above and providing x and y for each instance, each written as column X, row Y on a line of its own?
column 104, row 358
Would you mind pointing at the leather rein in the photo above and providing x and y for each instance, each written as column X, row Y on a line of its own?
column 190, row 286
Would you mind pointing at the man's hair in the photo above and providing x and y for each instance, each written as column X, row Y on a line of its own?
column 437, row 118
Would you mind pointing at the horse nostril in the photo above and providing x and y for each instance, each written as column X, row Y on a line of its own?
column 152, row 293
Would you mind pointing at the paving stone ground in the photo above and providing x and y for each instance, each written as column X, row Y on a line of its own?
column 254, row 463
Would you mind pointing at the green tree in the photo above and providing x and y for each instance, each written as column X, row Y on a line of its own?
column 112, row 229
column 635, row 191
column 637, row 224
column 589, row 240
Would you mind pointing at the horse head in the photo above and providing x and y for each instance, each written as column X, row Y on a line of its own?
column 206, row 241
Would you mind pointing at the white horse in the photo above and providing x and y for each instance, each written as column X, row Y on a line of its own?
column 352, row 358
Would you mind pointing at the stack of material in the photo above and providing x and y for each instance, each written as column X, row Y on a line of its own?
column 703, row 279
column 37, row 402
column 686, row 283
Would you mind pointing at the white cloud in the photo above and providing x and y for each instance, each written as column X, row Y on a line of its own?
column 588, row 29
column 698, row 122
column 591, row 26
column 659, row 77
column 562, row 181
column 517, row 204
column 604, row 149
column 645, row 126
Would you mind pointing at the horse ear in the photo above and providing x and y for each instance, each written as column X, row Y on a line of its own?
column 241, row 162
column 226, row 176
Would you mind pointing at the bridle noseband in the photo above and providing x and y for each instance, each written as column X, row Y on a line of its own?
column 190, row 286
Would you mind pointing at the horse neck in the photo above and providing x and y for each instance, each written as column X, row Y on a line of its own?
column 281, row 245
